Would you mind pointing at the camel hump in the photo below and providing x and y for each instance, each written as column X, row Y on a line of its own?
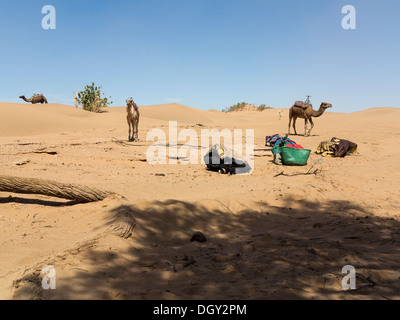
column 300, row 104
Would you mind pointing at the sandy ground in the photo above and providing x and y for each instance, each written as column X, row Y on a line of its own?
column 284, row 237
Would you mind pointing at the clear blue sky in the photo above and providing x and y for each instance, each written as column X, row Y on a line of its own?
column 204, row 53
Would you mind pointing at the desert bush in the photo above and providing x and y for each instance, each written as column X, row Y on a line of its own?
column 235, row 107
column 239, row 106
column 262, row 107
column 91, row 99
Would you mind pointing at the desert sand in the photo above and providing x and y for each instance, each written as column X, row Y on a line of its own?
column 283, row 237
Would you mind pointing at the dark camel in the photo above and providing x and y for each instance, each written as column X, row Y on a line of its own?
column 36, row 98
column 306, row 114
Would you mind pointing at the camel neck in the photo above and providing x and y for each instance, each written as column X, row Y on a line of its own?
column 132, row 109
column 318, row 113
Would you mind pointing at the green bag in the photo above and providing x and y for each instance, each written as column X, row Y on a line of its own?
column 276, row 150
column 295, row 157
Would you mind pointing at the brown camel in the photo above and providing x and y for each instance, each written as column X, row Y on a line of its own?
column 36, row 98
column 306, row 114
column 133, row 119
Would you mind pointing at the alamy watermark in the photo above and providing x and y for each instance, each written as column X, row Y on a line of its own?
column 49, row 20
column 49, row 280
column 349, row 20
column 349, row 281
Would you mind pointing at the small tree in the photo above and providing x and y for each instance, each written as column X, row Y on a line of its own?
column 90, row 99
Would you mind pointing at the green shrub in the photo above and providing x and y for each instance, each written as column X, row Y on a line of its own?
column 90, row 99
column 263, row 107
column 239, row 106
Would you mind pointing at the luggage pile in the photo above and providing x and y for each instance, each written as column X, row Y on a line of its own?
column 224, row 161
column 286, row 151
column 336, row 148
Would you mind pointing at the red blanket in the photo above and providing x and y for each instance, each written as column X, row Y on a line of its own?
column 295, row 146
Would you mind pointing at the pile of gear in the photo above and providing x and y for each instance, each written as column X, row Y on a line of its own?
column 224, row 161
column 286, row 151
column 336, row 148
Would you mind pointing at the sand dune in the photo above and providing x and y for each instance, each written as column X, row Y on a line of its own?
column 24, row 119
column 268, row 236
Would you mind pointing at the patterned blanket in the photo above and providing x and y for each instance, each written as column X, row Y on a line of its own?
column 336, row 148
column 272, row 141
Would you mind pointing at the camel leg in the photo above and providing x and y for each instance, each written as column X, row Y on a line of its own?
column 133, row 130
column 305, row 127
column 136, row 130
column 130, row 130
column 290, row 121
column 312, row 126
column 294, row 126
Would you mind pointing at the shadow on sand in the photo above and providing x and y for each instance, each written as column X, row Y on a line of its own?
column 258, row 252
column 49, row 203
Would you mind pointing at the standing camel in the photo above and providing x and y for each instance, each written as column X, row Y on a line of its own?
column 36, row 98
column 306, row 114
column 133, row 119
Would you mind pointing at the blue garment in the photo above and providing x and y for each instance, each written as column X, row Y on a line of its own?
column 276, row 139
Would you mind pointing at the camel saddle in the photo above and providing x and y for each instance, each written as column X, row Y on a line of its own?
column 300, row 104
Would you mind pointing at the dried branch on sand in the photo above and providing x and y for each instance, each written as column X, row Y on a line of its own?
column 309, row 172
column 73, row 192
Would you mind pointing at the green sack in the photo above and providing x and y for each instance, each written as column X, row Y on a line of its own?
column 276, row 150
column 295, row 157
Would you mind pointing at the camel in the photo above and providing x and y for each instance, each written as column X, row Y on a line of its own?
column 133, row 119
column 36, row 98
column 306, row 114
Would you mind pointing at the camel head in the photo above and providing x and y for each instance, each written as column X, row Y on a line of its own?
column 21, row 97
column 129, row 101
column 326, row 105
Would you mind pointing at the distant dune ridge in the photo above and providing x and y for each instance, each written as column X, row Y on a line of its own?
column 268, row 236
column 24, row 119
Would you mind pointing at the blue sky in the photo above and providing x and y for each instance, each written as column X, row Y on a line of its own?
column 204, row 53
